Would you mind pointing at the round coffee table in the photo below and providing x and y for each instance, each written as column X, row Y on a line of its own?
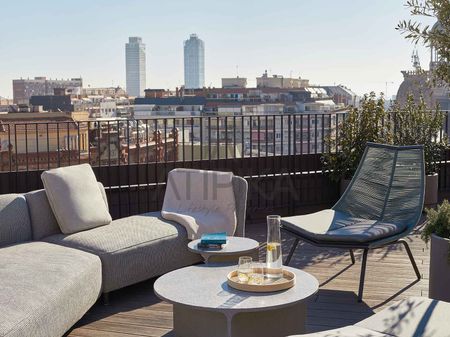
column 236, row 246
column 204, row 305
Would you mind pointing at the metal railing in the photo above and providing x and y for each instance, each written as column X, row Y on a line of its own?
column 26, row 146
column 279, row 155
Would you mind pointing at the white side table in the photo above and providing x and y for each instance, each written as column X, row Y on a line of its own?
column 236, row 246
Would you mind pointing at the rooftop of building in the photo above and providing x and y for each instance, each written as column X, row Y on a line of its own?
column 186, row 100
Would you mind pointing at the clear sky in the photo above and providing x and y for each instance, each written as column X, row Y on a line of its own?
column 350, row 42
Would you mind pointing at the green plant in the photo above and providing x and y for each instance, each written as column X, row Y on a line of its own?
column 414, row 123
column 439, row 37
column 368, row 123
column 438, row 223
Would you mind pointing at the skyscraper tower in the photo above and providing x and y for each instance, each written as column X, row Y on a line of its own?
column 194, row 63
column 135, row 66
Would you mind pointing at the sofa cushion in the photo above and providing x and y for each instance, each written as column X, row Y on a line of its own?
column 14, row 219
column 334, row 226
column 45, row 288
column 347, row 331
column 43, row 221
column 133, row 249
column 75, row 198
column 415, row 316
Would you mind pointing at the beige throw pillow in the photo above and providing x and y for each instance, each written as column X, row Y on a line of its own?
column 75, row 198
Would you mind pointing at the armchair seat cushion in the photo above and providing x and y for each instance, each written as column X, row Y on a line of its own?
column 334, row 226
column 133, row 249
column 45, row 288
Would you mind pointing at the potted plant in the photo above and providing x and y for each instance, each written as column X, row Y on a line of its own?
column 415, row 123
column 361, row 125
column 437, row 230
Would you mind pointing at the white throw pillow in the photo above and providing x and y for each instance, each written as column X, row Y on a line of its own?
column 75, row 198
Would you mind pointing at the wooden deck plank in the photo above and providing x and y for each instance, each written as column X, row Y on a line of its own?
column 137, row 312
column 114, row 327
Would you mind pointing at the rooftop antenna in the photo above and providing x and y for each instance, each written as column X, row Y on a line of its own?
column 415, row 59
column 237, row 70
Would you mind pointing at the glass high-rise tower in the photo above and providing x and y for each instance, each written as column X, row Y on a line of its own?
column 194, row 63
column 135, row 66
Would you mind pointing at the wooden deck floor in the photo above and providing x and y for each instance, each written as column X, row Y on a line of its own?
column 136, row 311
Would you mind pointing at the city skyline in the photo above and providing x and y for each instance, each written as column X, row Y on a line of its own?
column 319, row 43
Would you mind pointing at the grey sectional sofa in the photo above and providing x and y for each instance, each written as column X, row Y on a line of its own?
column 49, row 280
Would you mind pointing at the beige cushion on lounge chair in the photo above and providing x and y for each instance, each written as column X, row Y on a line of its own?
column 348, row 331
column 413, row 317
column 334, row 226
column 75, row 198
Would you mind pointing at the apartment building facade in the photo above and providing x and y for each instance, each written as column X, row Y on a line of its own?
column 23, row 89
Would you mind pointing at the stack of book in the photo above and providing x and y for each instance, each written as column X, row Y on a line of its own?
column 213, row 241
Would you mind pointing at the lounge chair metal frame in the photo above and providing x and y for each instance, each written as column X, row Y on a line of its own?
column 383, row 242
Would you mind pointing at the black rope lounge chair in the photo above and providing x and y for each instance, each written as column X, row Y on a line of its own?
column 382, row 204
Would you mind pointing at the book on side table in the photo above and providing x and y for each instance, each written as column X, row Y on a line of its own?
column 214, row 241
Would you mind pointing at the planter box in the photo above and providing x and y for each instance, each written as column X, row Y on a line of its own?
column 431, row 190
column 439, row 269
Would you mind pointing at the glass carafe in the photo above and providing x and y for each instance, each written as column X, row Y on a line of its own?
column 274, row 261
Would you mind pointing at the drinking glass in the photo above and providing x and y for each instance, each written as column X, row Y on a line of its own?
column 244, row 268
column 258, row 274
column 273, row 254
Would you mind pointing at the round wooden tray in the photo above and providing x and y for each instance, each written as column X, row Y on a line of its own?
column 286, row 282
